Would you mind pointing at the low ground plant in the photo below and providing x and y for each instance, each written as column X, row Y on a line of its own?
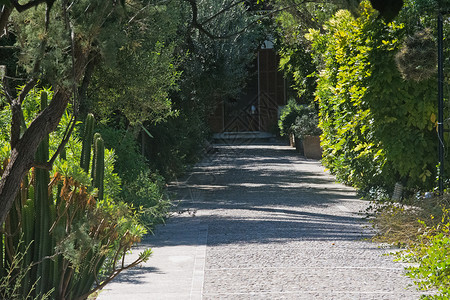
column 422, row 227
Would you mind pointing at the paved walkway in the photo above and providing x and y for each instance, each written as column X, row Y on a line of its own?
column 261, row 222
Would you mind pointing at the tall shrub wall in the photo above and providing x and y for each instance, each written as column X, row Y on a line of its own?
column 378, row 128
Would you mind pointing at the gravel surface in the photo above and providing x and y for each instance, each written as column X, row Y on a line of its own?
column 259, row 221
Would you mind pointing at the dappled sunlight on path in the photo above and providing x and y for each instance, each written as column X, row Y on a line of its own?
column 262, row 222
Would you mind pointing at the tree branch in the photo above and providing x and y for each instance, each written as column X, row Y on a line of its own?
column 66, row 137
column 4, row 17
column 22, row 155
column 24, row 7
column 233, row 4
column 89, row 71
column 195, row 23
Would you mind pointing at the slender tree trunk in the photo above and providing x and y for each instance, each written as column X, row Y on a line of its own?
column 22, row 155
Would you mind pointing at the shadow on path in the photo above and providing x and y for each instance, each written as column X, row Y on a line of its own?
column 266, row 194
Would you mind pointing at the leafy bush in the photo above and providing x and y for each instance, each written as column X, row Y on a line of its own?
column 147, row 192
column 378, row 129
column 176, row 142
column 288, row 116
column 64, row 217
column 429, row 253
column 422, row 226
column 433, row 270
column 298, row 119
column 307, row 123
column 140, row 187
column 129, row 161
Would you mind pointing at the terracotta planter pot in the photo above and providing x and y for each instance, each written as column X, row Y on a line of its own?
column 311, row 147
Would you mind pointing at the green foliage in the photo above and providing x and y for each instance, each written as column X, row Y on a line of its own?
column 112, row 182
column 432, row 6
column 295, row 53
column 83, row 233
column 96, row 27
column 434, row 266
column 307, row 123
column 298, row 119
column 377, row 127
column 129, row 161
column 176, row 143
column 431, row 258
column 288, row 116
column 147, row 192
column 15, row 274
column 217, row 68
column 142, row 188
column 141, row 73
column 139, row 84
column 296, row 62
column 5, row 129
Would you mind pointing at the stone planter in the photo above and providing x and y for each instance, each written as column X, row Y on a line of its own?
column 311, row 147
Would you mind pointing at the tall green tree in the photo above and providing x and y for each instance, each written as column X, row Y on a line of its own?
column 59, row 44
column 217, row 41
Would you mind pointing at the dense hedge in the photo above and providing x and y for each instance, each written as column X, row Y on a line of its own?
column 378, row 128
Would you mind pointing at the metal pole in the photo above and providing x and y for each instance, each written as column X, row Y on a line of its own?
column 441, row 103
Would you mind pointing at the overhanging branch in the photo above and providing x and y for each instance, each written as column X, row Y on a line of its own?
column 4, row 17
column 200, row 26
column 23, row 7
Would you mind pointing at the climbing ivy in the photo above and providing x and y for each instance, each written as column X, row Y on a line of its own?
column 377, row 128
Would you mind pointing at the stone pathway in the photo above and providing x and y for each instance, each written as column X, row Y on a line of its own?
column 262, row 222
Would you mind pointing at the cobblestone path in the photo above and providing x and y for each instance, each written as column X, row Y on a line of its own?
column 262, row 222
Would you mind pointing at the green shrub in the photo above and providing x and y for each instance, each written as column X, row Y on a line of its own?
column 421, row 226
column 147, row 192
column 129, row 160
column 378, row 129
column 307, row 123
column 58, row 214
column 288, row 116
column 431, row 258
column 298, row 119
column 140, row 186
column 176, row 143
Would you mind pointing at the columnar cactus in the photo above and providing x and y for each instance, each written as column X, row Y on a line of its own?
column 87, row 142
column 42, row 244
column 98, row 165
column 40, row 224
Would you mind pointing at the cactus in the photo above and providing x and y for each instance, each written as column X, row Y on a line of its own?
column 98, row 165
column 42, row 245
column 28, row 237
column 44, row 223
column 87, row 142
column 94, row 157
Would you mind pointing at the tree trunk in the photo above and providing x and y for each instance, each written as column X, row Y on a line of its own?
column 22, row 155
